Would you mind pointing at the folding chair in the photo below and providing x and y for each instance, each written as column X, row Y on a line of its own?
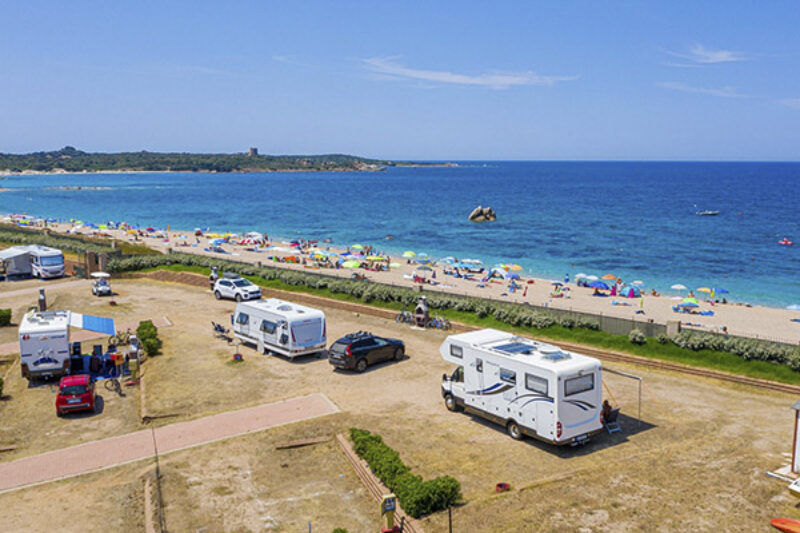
column 611, row 424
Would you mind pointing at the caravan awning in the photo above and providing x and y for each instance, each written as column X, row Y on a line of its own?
column 14, row 251
column 93, row 323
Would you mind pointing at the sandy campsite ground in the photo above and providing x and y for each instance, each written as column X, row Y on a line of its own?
column 696, row 461
column 756, row 321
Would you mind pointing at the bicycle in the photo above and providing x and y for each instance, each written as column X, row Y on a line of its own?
column 121, row 338
column 113, row 385
column 404, row 317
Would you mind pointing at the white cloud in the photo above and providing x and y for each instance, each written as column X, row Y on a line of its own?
column 388, row 68
column 725, row 92
column 794, row 103
column 699, row 54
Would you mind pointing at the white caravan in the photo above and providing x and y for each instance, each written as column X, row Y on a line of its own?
column 281, row 327
column 44, row 344
column 530, row 388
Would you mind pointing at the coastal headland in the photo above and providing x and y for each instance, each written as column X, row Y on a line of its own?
column 70, row 160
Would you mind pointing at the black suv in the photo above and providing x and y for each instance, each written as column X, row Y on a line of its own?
column 358, row 350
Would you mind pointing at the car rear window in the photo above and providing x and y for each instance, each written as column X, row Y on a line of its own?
column 339, row 346
column 73, row 389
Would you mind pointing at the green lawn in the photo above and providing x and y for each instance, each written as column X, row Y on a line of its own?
column 722, row 361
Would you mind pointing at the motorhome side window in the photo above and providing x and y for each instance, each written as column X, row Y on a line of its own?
column 508, row 376
column 456, row 351
column 268, row 327
column 536, row 384
column 242, row 318
column 579, row 384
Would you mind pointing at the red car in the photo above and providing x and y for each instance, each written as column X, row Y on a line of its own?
column 75, row 393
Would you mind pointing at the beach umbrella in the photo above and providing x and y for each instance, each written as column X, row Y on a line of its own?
column 376, row 258
column 357, row 247
column 703, row 289
column 409, row 254
column 422, row 255
column 689, row 301
column 394, row 265
column 637, row 282
column 131, row 231
column 151, row 229
column 351, row 264
column 598, row 285
column 472, row 261
column 498, row 270
column 217, row 242
column 609, row 276
column 514, row 267
column 687, row 304
column 580, row 275
column 678, row 287
column 592, row 278
column 511, row 275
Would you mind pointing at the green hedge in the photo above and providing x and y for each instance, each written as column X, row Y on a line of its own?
column 747, row 349
column 5, row 317
column 148, row 334
column 417, row 497
column 14, row 235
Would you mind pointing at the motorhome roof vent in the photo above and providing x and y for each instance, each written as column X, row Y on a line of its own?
column 516, row 348
column 284, row 307
column 554, row 354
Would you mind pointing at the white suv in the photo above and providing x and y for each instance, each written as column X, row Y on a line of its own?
column 236, row 288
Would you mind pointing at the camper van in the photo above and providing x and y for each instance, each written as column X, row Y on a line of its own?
column 280, row 327
column 46, row 262
column 529, row 387
column 44, row 344
column 33, row 260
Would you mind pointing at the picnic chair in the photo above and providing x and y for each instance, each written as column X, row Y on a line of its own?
column 611, row 424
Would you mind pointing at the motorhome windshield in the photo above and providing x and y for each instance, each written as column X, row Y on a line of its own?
column 52, row 260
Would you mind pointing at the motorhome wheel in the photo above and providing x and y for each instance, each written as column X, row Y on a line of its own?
column 217, row 295
column 398, row 354
column 361, row 365
column 514, row 431
column 450, row 403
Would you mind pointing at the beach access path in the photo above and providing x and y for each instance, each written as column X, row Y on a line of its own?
column 145, row 444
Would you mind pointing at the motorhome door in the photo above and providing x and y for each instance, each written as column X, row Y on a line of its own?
column 545, row 420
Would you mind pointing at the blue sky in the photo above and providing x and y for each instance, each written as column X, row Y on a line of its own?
column 405, row 80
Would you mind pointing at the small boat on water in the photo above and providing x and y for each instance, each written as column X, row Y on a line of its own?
column 786, row 242
column 707, row 213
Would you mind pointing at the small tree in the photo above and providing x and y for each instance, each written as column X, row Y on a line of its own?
column 150, row 345
column 5, row 317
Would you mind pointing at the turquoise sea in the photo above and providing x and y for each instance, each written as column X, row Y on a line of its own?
column 633, row 219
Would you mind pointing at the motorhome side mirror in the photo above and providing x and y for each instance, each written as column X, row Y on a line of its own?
column 444, row 377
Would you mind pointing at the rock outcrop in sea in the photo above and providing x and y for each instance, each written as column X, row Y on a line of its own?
column 482, row 214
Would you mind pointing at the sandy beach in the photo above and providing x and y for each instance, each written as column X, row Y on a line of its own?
column 739, row 319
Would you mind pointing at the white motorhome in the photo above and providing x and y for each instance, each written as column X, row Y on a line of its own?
column 46, row 262
column 44, row 343
column 281, row 327
column 33, row 260
column 529, row 387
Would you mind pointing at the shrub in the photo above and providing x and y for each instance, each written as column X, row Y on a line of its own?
column 1, row 387
column 636, row 336
column 662, row 338
column 339, row 530
column 146, row 330
column 417, row 497
column 150, row 345
column 5, row 317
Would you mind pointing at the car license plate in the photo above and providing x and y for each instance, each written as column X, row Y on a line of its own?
column 74, row 400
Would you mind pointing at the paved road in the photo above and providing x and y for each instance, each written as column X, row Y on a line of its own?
column 115, row 451
column 49, row 286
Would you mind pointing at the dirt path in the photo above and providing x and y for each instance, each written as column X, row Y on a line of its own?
column 114, row 451
column 47, row 286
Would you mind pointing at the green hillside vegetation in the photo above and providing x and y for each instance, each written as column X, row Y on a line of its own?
column 72, row 160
